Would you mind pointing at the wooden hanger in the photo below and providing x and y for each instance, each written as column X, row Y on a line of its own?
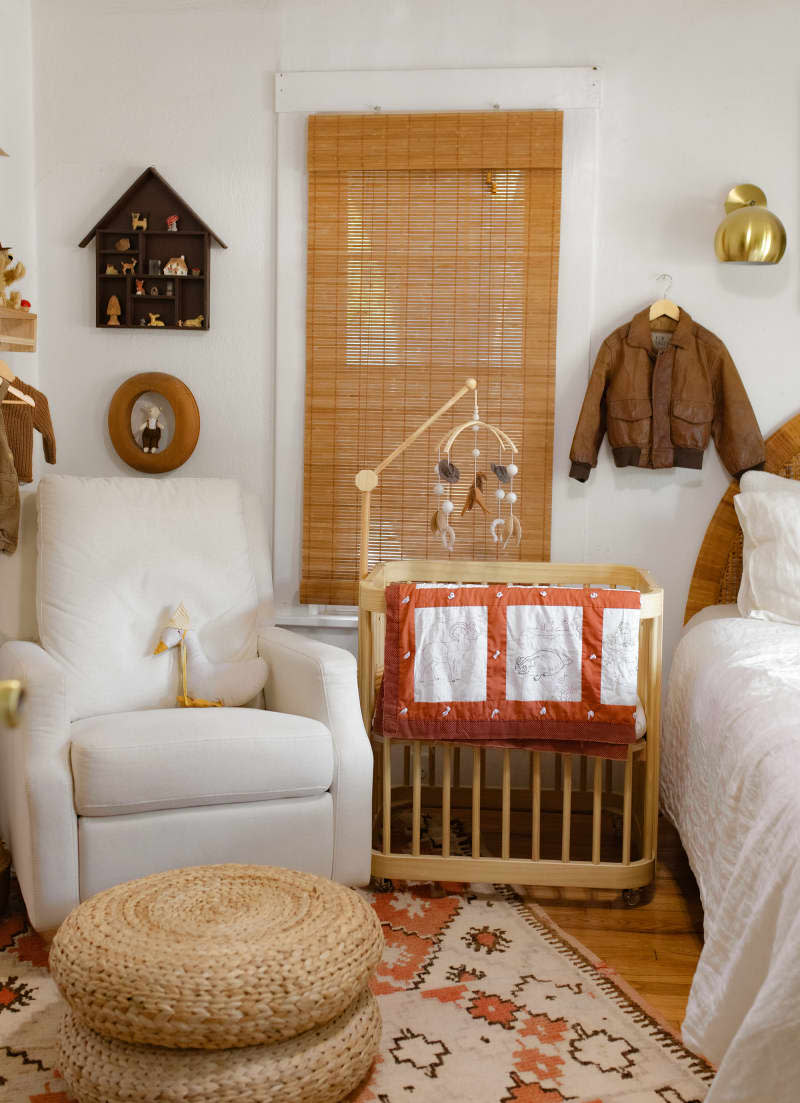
column 665, row 308
column 20, row 398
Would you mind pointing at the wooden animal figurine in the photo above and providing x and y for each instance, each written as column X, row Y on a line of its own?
column 140, row 287
column 151, row 430
column 123, row 245
column 204, row 683
column 138, row 221
column 112, row 270
column 129, row 266
column 9, row 274
column 475, row 495
column 113, row 310
column 176, row 266
column 154, row 320
column 193, row 323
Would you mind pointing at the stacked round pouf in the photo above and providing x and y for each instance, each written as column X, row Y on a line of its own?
column 230, row 982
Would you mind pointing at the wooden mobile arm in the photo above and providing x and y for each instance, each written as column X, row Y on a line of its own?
column 367, row 478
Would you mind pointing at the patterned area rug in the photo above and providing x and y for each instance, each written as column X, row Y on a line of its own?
column 483, row 1001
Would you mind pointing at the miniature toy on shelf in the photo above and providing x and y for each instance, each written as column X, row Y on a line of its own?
column 25, row 305
column 111, row 270
column 172, row 223
column 195, row 271
column 192, row 323
column 140, row 287
column 9, row 275
column 154, row 320
column 170, row 288
column 154, row 290
column 176, row 266
column 113, row 310
column 154, row 267
column 123, row 245
column 151, row 430
column 138, row 221
column 129, row 266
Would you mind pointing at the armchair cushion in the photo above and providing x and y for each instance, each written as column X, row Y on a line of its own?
column 182, row 758
column 115, row 557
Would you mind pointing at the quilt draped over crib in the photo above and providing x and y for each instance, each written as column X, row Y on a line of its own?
column 548, row 668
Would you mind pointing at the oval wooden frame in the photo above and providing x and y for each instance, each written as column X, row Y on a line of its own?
column 187, row 422
column 718, row 570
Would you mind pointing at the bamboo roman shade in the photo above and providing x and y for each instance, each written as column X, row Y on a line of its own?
column 432, row 256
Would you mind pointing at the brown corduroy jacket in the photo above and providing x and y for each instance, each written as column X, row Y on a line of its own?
column 20, row 421
column 662, row 405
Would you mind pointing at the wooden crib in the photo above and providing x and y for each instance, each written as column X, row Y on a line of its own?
column 458, row 812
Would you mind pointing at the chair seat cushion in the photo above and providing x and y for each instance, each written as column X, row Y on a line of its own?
column 181, row 758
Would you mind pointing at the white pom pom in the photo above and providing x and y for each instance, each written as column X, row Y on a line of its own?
column 447, row 506
column 438, row 488
column 512, row 469
column 476, row 452
column 511, row 496
column 499, row 494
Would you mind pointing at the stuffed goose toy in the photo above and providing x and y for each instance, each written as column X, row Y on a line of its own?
column 205, row 684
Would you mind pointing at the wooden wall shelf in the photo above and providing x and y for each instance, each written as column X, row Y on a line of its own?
column 17, row 330
column 152, row 197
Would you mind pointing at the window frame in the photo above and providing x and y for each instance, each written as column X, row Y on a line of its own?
column 576, row 92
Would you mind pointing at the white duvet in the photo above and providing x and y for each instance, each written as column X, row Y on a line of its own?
column 731, row 783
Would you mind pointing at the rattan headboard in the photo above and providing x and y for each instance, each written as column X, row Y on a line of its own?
column 718, row 570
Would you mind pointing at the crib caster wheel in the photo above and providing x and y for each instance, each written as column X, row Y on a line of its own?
column 381, row 884
column 632, row 898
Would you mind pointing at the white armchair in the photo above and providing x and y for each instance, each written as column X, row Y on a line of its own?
column 104, row 779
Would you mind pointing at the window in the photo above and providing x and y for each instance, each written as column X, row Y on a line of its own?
column 432, row 255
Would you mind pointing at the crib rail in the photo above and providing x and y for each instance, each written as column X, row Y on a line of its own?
column 457, row 812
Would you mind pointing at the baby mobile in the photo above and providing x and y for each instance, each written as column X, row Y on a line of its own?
column 505, row 530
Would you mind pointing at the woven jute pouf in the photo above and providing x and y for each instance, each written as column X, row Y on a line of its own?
column 215, row 956
column 321, row 1066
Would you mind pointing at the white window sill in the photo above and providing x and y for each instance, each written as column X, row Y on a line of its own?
column 317, row 616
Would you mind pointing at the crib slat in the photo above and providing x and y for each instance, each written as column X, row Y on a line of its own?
column 626, row 810
column 416, row 796
column 506, row 839
column 597, row 809
column 387, row 796
column 476, row 803
column 536, row 806
column 446, row 783
column 566, row 815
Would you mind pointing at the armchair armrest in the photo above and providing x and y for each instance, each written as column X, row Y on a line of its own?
column 312, row 679
column 36, row 805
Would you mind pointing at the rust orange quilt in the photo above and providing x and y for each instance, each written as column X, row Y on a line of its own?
column 547, row 667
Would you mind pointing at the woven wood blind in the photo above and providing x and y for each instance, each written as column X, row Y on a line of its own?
column 432, row 256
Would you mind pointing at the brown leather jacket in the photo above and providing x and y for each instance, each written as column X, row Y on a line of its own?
column 660, row 407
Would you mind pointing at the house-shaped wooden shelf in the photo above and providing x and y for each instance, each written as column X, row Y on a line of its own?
column 140, row 217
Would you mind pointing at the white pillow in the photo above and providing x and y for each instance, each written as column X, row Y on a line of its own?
column 763, row 481
column 770, row 520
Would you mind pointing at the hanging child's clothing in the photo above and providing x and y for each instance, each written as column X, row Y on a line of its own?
column 661, row 397
column 20, row 421
column 9, row 492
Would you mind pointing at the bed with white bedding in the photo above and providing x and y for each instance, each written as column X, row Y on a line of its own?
column 731, row 784
column 730, row 780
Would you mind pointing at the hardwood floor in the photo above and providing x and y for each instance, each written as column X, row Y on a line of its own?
column 655, row 947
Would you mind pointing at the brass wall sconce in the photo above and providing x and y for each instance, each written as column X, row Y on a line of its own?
column 749, row 234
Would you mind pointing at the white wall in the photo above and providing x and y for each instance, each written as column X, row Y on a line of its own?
column 18, row 228
column 691, row 105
